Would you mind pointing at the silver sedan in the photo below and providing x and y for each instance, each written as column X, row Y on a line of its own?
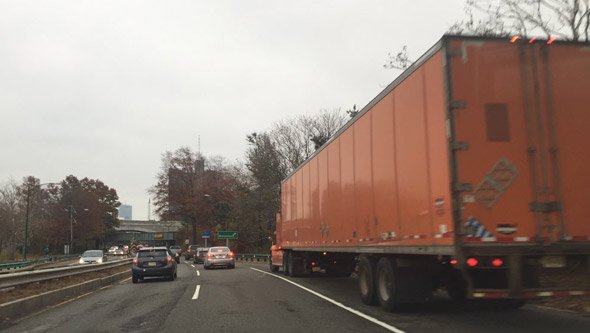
column 219, row 256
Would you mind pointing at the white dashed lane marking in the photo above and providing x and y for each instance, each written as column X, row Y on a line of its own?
column 198, row 273
column 196, row 294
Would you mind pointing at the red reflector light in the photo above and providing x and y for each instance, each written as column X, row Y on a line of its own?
column 497, row 262
column 472, row 262
column 532, row 40
column 453, row 261
column 550, row 41
column 313, row 264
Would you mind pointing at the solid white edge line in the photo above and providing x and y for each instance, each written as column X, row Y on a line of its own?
column 198, row 273
column 338, row 304
column 196, row 294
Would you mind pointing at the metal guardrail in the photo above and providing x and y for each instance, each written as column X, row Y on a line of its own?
column 22, row 264
column 253, row 257
column 20, row 278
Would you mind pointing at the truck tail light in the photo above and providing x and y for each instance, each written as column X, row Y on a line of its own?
column 313, row 264
column 472, row 262
column 497, row 262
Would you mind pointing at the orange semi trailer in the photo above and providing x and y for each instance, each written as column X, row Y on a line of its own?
column 469, row 172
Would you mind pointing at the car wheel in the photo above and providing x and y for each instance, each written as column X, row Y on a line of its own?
column 134, row 279
column 206, row 267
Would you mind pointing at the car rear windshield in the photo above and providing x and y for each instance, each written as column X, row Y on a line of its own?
column 219, row 249
column 157, row 253
column 92, row 254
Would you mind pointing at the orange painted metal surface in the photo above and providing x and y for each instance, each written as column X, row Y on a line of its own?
column 525, row 109
column 520, row 123
column 375, row 184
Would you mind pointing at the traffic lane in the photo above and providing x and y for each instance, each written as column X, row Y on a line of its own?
column 244, row 300
column 124, row 307
column 446, row 316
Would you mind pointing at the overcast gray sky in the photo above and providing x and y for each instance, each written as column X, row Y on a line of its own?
column 100, row 89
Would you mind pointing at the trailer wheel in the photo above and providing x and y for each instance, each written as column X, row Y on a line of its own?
column 457, row 287
column 286, row 256
column 290, row 265
column 386, row 284
column 366, row 280
column 274, row 268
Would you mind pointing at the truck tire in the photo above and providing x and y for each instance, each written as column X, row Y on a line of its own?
column 286, row 256
column 290, row 265
column 386, row 284
column 274, row 268
column 366, row 280
column 457, row 287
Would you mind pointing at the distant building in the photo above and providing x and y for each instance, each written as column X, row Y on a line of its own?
column 125, row 212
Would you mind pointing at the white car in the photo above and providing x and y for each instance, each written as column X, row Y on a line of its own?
column 93, row 257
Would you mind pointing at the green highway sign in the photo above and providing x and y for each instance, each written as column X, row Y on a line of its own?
column 227, row 235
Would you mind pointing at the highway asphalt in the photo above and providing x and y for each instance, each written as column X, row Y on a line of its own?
column 251, row 299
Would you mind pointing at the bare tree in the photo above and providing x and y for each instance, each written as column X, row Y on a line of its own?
column 400, row 60
column 11, row 218
column 296, row 139
column 563, row 19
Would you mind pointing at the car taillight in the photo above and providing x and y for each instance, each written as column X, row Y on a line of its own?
column 169, row 259
column 210, row 255
column 135, row 261
column 230, row 254
column 472, row 262
column 453, row 262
